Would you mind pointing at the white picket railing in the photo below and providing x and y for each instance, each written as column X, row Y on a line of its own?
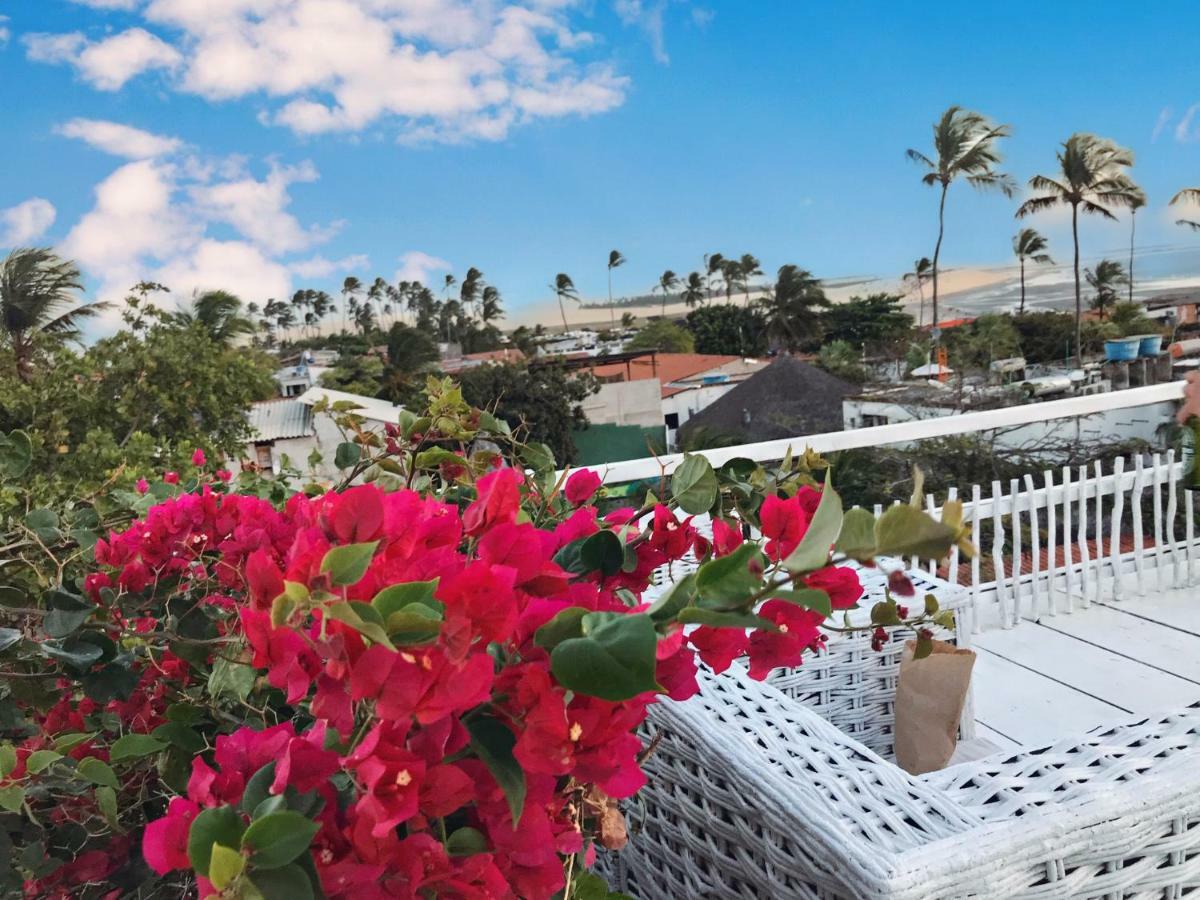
column 1059, row 540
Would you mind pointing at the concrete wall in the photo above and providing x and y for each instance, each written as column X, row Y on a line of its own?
column 687, row 403
column 627, row 403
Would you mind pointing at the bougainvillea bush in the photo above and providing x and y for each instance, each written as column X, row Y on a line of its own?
column 424, row 681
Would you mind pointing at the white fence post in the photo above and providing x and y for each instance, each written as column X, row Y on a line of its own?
column 1114, row 538
column 1085, row 558
column 1035, row 546
column 1068, row 567
column 1156, row 463
column 1139, row 538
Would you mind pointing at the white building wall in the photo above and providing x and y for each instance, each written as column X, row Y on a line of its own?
column 626, row 403
column 686, row 404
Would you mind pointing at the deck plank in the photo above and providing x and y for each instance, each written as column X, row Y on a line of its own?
column 1126, row 682
column 1030, row 708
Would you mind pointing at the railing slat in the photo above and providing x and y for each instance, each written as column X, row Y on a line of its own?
column 1035, row 549
column 1172, row 507
column 1051, row 538
column 1156, row 462
column 1085, row 557
column 1114, row 537
column 998, row 556
column 977, row 614
column 1014, row 494
column 1139, row 538
column 1068, row 568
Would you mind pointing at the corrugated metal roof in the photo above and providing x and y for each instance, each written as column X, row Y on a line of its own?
column 367, row 407
column 277, row 420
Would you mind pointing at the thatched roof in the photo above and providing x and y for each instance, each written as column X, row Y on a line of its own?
column 786, row 399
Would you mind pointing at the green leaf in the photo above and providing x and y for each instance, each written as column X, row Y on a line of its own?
column 397, row 596
column 97, row 771
column 538, row 457
column 12, row 797
column 602, row 552
column 67, row 613
column 289, row 883
column 220, row 825
column 695, row 615
column 613, row 660
column 344, row 612
column 415, row 624
column 438, row 456
column 728, row 582
column 812, row 552
column 258, row 788
column 224, row 865
column 347, row 455
column 8, row 637
column 41, row 759
column 566, row 624
column 904, row 531
column 16, row 453
column 931, row 605
column 681, row 594
column 493, row 743
column 809, row 598
column 230, row 679
column 294, row 596
column 347, row 564
column 924, row 645
column 10, row 595
column 65, row 743
column 8, row 759
column 694, row 485
column 135, row 746
column 857, row 539
column 466, row 842
column 106, row 799
column 74, row 653
column 885, row 612
column 569, row 556
column 277, row 839
column 44, row 523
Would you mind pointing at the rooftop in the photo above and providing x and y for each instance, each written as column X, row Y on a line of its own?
column 279, row 420
column 368, row 407
column 668, row 368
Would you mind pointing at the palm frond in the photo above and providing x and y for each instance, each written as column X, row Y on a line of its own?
column 1095, row 209
column 1038, row 204
column 1188, row 223
column 1187, row 195
column 920, row 158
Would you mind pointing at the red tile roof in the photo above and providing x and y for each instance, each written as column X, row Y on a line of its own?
column 666, row 367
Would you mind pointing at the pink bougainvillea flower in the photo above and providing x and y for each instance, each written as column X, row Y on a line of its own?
column 840, row 583
column 797, row 632
column 356, row 515
column 719, row 647
column 171, row 477
column 581, row 486
column 900, row 584
column 224, row 475
column 498, row 497
column 164, row 843
column 784, row 523
column 726, row 537
column 142, row 485
column 198, row 458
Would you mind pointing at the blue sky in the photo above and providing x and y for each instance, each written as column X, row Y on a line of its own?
column 288, row 142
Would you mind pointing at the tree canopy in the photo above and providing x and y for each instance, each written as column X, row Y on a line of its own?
column 663, row 335
column 724, row 328
column 867, row 321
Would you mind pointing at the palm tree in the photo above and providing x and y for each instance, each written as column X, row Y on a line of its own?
column 1104, row 280
column 919, row 275
column 351, row 287
column 748, row 267
column 490, row 308
column 1029, row 244
column 714, row 264
column 1187, row 195
column 1137, row 204
column 965, row 145
column 615, row 260
column 36, row 287
column 693, row 289
column 468, row 293
column 731, row 274
column 219, row 313
column 1091, row 180
column 667, row 282
column 627, row 320
column 564, row 287
column 793, row 306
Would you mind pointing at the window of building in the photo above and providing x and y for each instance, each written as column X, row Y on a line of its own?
column 263, row 452
column 672, row 420
column 870, row 421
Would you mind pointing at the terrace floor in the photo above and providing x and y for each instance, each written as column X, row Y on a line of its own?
column 1068, row 673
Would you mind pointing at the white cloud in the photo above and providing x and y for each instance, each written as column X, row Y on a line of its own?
column 26, row 222
column 234, row 266
column 109, row 4
column 1184, row 131
column 5, row 34
column 702, row 16
column 418, row 266
column 320, row 267
column 1164, row 117
column 118, row 139
column 258, row 209
column 107, row 64
column 434, row 69
column 646, row 15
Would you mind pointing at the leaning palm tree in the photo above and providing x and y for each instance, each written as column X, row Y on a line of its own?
column 918, row 276
column 351, row 288
column 564, row 287
column 965, row 145
column 468, row 292
column 1104, row 279
column 218, row 314
column 748, row 267
column 1029, row 244
column 490, row 308
column 1133, row 208
column 37, row 297
column 693, row 289
column 731, row 275
column 615, row 260
column 1091, row 180
column 667, row 282
column 792, row 308
column 1187, row 195
column 714, row 264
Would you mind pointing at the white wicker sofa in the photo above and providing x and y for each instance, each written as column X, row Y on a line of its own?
column 754, row 795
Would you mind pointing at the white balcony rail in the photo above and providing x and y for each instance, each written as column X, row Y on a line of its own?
column 1049, row 542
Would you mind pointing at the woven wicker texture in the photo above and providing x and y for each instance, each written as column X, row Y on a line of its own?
column 753, row 795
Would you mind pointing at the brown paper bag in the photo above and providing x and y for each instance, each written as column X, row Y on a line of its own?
column 930, row 694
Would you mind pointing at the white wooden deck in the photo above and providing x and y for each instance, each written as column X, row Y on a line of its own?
column 1065, row 674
